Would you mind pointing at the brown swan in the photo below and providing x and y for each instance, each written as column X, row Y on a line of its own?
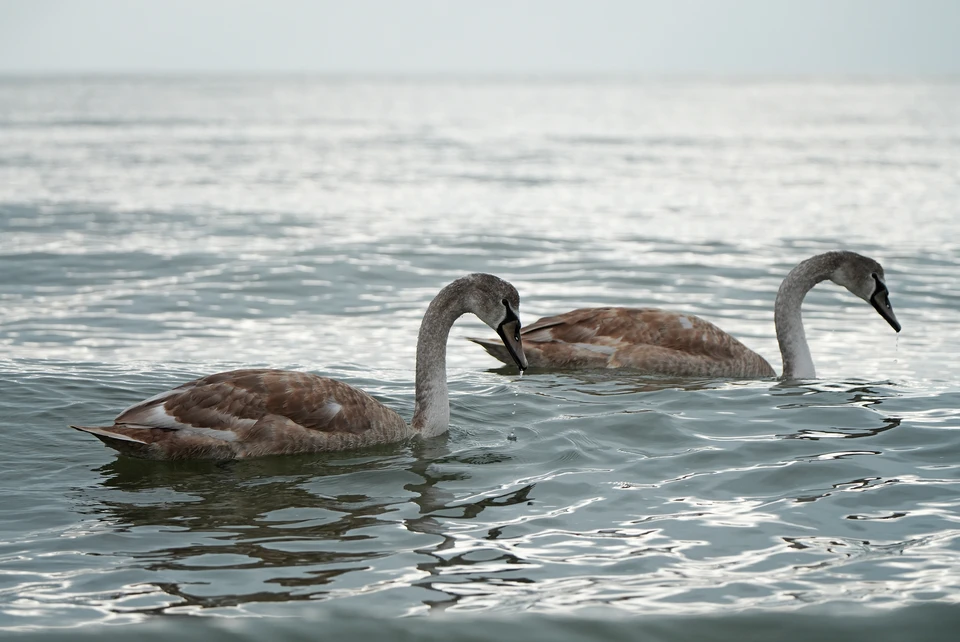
column 671, row 343
column 248, row 413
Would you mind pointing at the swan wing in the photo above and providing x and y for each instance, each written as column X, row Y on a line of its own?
column 238, row 399
column 253, row 412
column 649, row 339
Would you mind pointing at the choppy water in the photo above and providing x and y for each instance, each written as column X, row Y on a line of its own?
column 153, row 230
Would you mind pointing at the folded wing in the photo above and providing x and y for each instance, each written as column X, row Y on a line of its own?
column 647, row 339
column 245, row 413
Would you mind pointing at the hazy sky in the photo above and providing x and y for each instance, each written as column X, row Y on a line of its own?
column 491, row 36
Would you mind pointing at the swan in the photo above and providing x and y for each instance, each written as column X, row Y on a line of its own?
column 670, row 343
column 249, row 413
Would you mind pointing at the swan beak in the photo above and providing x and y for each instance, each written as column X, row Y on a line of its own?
column 881, row 303
column 509, row 332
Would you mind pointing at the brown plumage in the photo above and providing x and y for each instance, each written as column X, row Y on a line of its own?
column 647, row 339
column 248, row 413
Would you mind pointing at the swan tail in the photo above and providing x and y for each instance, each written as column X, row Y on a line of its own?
column 495, row 348
column 125, row 444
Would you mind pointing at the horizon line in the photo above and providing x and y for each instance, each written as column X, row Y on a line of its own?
column 518, row 74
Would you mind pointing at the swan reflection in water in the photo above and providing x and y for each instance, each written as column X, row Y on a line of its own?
column 231, row 535
column 283, row 529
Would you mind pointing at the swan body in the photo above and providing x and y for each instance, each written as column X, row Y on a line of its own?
column 647, row 339
column 249, row 413
column 671, row 343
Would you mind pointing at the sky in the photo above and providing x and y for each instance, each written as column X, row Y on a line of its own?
column 721, row 37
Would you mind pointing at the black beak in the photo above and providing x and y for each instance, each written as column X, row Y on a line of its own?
column 880, row 300
column 509, row 331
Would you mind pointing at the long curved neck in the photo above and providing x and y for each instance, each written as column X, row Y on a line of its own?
column 431, row 414
column 797, row 362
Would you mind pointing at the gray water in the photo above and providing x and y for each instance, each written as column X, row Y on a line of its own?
column 156, row 229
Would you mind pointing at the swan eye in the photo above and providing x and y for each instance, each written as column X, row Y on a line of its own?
column 507, row 303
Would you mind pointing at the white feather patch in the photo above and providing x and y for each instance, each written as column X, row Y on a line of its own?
column 331, row 409
column 685, row 322
column 223, row 435
column 158, row 417
column 595, row 348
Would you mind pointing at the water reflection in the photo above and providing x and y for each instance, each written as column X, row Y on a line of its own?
column 860, row 393
column 206, row 522
column 604, row 383
column 827, row 396
column 443, row 566
column 841, row 432
column 258, row 514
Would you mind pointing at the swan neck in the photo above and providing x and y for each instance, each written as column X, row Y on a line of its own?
column 431, row 414
column 797, row 362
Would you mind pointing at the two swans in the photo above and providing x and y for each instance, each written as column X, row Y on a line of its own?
column 249, row 413
column 670, row 343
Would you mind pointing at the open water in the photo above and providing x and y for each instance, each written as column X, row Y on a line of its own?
column 156, row 229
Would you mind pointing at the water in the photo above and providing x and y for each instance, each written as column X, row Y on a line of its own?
column 156, row 229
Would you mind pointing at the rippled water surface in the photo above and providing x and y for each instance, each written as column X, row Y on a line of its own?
column 156, row 229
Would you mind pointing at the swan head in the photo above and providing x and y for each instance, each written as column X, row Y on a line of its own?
column 497, row 303
column 864, row 277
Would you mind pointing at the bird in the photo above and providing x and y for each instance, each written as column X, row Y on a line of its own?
column 250, row 413
column 663, row 342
